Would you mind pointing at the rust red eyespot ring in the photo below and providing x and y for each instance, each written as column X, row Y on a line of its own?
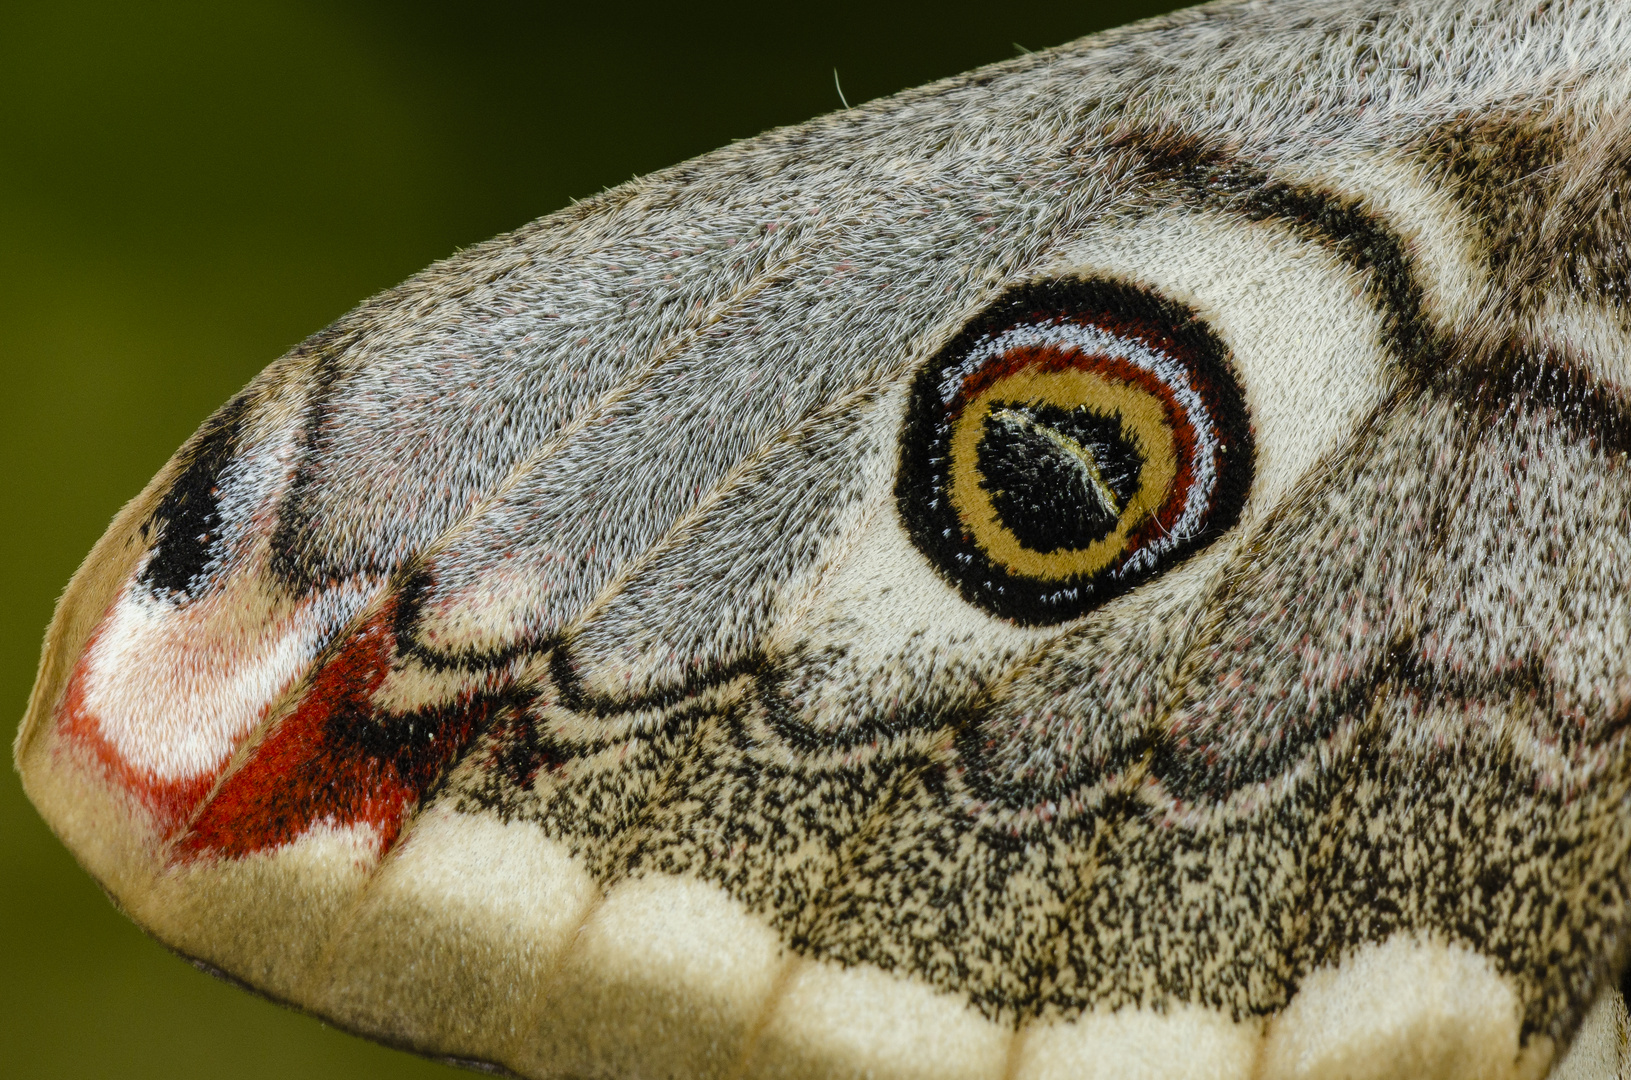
column 1076, row 438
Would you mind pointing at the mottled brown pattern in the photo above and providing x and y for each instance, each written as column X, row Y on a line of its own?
column 1430, row 774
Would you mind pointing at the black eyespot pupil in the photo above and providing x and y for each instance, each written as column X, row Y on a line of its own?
column 1058, row 478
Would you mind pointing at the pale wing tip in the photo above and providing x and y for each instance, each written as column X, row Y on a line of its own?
column 83, row 604
column 107, row 830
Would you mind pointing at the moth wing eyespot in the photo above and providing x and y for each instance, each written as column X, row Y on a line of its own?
column 1078, row 437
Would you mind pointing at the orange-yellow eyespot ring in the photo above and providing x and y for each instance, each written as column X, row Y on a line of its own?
column 1105, row 445
column 1073, row 440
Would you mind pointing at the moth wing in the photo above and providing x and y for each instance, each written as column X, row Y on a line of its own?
column 549, row 666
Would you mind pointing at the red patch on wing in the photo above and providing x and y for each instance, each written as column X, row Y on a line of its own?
column 335, row 759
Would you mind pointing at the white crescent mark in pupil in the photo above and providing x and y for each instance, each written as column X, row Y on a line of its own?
column 1075, row 453
column 1059, row 479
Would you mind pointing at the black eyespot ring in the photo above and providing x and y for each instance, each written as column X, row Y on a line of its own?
column 1076, row 438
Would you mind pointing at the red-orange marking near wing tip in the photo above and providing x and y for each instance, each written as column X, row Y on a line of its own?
column 334, row 760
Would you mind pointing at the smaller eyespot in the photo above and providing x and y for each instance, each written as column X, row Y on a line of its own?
column 1075, row 439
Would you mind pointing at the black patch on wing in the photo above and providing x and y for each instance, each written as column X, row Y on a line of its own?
column 187, row 519
column 292, row 560
column 1516, row 378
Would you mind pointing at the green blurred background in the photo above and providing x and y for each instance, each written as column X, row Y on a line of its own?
column 186, row 190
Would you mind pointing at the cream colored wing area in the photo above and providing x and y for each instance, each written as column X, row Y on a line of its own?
column 107, row 828
column 487, row 939
column 1602, row 1047
column 264, row 918
column 1403, row 1008
column 449, row 948
column 836, row 1023
column 668, row 977
column 1184, row 1043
